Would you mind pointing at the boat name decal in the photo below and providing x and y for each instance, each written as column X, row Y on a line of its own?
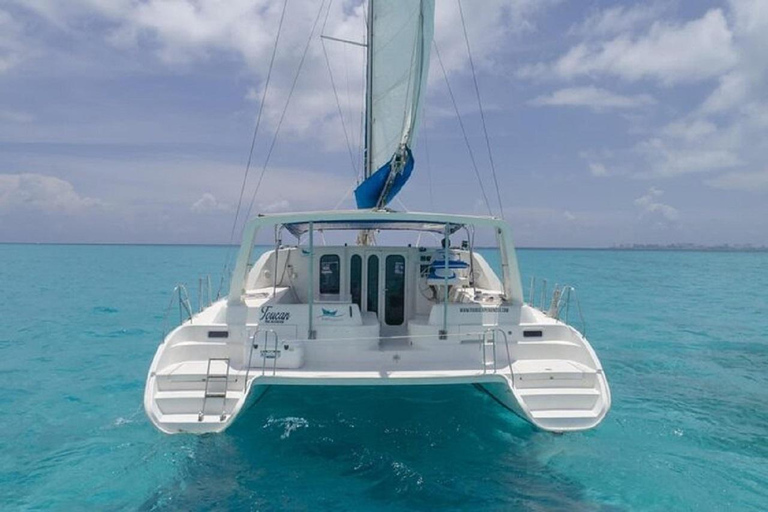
column 273, row 317
column 496, row 309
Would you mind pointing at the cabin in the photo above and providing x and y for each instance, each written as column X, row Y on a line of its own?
column 439, row 289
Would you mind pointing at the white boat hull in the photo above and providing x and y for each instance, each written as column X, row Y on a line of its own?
column 557, row 385
column 375, row 316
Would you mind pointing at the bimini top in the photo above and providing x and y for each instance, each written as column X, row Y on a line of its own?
column 298, row 229
column 299, row 223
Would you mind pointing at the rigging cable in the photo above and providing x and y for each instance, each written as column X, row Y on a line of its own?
column 482, row 114
column 346, row 195
column 425, row 138
column 361, row 131
column 335, row 92
column 364, row 79
column 350, row 115
column 253, row 141
column 463, row 130
column 285, row 109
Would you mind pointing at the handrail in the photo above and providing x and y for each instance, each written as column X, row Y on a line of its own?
column 566, row 292
column 493, row 331
column 274, row 359
column 250, row 358
column 203, row 290
column 179, row 293
column 264, row 352
column 531, row 297
column 533, row 293
column 560, row 301
column 253, row 339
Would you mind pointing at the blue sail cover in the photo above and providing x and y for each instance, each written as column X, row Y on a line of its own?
column 368, row 192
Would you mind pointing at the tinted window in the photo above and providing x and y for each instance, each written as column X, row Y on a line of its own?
column 330, row 274
column 356, row 279
column 373, row 284
column 394, row 290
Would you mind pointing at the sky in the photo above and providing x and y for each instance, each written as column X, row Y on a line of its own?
column 130, row 121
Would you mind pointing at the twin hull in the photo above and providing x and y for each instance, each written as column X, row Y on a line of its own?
column 214, row 366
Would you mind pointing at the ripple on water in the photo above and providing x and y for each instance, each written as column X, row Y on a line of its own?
column 105, row 310
column 289, row 425
column 686, row 432
column 118, row 333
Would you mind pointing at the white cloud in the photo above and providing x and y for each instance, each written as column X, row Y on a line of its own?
column 553, row 227
column 37, row 192
column 185, row 33
column 12, row 49
column 690, row 131
column 742, row 181
column 726, row 131
column 182, row 33
column 489, row 30
column 300, row 189
column 650, row 206
column 593, row 97
column 745, row 84
column 146, row 199
column 619, row 19
column 731, row 92
column 750, row 22
column 669, row 53
column 668, row 160
column 598, row 170
column 281, row 205
column 15, row 116
column 208, row 204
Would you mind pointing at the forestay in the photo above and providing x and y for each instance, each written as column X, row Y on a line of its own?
column 400, row 37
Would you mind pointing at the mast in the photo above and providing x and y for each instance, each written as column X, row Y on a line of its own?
column 365, row 236
column 368, row 168
column 394, row 91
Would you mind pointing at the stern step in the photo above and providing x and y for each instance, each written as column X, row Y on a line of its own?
column 552, row 373
column 192, row 423
column 190, row 401
column 564, row 415
column 191, row 376
column 542, row 399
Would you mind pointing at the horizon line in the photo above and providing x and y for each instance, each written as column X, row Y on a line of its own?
column 679, row 246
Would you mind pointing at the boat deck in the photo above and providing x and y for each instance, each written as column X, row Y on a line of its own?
column 319, row 374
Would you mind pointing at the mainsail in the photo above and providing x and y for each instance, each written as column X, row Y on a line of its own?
column 399, row 41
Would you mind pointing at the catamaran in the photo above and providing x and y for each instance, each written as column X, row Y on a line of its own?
column 440, row 310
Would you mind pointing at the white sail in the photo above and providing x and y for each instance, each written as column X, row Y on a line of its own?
column 401, row 41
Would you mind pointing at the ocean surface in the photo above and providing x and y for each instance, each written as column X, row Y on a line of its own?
column 683, row 338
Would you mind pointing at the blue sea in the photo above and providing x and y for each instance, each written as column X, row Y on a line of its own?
column 683, row 337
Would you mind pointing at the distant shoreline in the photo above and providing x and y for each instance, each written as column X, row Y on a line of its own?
column 691, row 247
column 622, row 248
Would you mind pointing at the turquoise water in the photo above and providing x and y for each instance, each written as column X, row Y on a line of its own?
column 683, row 337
